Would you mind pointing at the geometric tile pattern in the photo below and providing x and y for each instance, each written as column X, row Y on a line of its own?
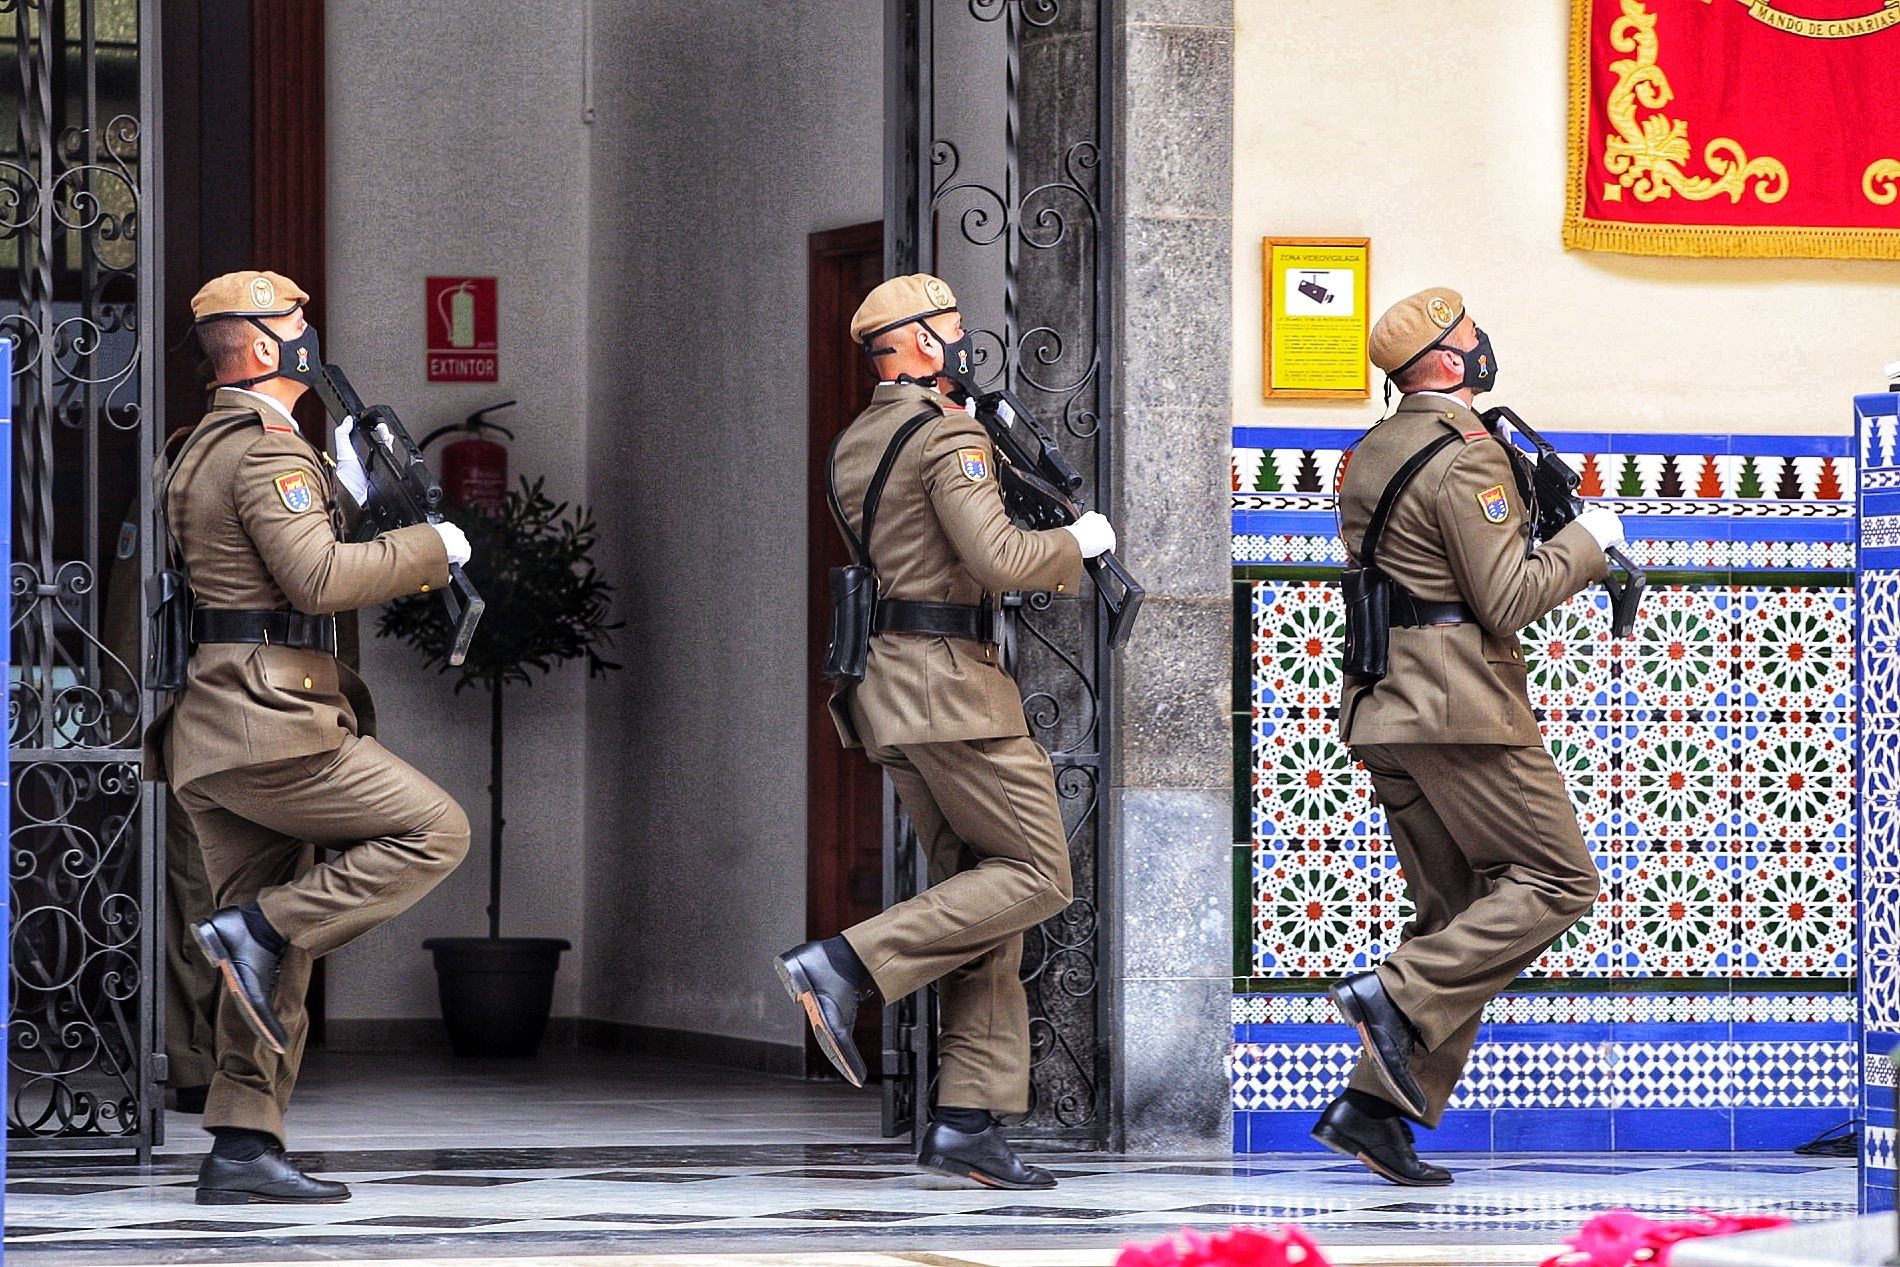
column 1576, row 1074
column 1710, row 758
column 1713, row 760
column 1877, row 582
column 1833, row 1009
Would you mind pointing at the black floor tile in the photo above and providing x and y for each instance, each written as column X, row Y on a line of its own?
column 1050, row 1212
column 668, row 1220
column 455, row 1181
column 850, row 1216
column 233, row 1226
column 813, row 1172
column 445, row 1222
column 645, row 1176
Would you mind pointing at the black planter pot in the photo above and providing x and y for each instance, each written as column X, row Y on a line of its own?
column 496, row 991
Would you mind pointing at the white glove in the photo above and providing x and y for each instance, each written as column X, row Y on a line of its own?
column 1603, row 525
column 454, row 540
column 349, row 467
column 1093, row 533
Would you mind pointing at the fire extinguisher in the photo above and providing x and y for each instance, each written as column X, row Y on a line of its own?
column 474, row 469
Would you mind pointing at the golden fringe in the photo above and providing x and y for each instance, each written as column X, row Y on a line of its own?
column 1732, row 242
column 1703, row 241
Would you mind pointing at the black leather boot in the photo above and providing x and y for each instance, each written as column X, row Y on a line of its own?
column 268, row 1179
column 830, row 1002
column 1387, row 1035
column 249, row 970
column 1383, row 1145
column 984, row 1157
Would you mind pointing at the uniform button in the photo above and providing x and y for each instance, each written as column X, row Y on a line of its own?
column 1061, row 588
column 425, row 588
column 307, row 684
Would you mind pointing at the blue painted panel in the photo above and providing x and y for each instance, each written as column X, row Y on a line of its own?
column 1459, row 1131
column 1552, row 1130
column 1778, row 1130
column 1673, row 1130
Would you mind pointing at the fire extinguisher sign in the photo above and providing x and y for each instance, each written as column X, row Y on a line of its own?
column 460, row 312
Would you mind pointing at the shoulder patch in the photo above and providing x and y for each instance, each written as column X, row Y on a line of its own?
column 1495, row 505
column 294, row 488
column 975, row 463
column 1479, row 434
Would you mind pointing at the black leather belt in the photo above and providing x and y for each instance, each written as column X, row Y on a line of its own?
column 1414, row 613
column 297, row 630
column 976, row 622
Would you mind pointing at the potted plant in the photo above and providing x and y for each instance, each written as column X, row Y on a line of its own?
column 546, row 605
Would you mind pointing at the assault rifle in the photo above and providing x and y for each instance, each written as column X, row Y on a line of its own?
column 1557, row 503
column 1040, row 491
column 402, row 490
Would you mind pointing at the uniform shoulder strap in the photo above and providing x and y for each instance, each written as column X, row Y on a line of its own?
column 1390, row 498
column 860, row 543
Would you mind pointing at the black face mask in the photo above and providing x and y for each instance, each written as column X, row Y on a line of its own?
column 297, row 359
column 959, row 364
column 1481, row 364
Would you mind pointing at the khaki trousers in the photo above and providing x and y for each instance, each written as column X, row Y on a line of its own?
column 1497, row 869
column 389, row 835
column 986, row 817
column 192, row 986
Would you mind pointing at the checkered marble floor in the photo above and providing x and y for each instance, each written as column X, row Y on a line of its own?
column 640, row 1162
column 483, row 1202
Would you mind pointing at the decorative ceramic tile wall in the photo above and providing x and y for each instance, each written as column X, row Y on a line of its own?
column 1711, row 759
column 1877, row 422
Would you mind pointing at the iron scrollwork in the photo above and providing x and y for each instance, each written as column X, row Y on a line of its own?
column 76, row 310
column 1005, row 199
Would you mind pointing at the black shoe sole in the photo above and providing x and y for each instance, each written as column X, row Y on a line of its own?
column 798, row 986
column 1411, row 1101
column 1347, row 1148
column 237, row 1196
column 271, row 1034
column 937, row 1164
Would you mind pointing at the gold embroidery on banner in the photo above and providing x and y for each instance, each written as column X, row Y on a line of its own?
column 1646, row 157
column 1881, row 181
column 1825, row 28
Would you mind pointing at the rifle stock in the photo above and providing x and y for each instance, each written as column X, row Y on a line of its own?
column 403, row 491
column 1558, row 503
column 1040, row 490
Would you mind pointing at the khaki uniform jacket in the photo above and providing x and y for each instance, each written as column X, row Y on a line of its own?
column 1450, row 538
column 941, row 536
column 251, row 508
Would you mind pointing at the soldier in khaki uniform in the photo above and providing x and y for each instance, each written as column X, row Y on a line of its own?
column 1484, row 831
column 944, row 719
column 268, row 747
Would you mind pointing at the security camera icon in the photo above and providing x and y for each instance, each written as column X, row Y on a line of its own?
column 1314, row 291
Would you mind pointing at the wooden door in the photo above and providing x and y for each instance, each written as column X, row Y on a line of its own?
column 844, row 815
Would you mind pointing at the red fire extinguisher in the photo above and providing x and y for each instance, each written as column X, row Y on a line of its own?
column 474, row 470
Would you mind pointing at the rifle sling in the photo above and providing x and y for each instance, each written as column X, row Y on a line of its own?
column 861, row 543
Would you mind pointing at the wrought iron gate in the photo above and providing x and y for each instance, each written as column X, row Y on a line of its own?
column 997, row 170
column 78, row 258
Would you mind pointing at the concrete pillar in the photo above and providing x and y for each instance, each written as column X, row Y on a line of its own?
column 1171, row 791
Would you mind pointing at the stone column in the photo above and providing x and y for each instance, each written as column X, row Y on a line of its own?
column 1171, row 790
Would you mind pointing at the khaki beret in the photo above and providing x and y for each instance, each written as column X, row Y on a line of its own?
column 247, row 294
column 1412, row 325
column 899, row 300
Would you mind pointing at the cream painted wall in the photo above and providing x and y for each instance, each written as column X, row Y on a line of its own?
column 1439, row 131
column 456, row 146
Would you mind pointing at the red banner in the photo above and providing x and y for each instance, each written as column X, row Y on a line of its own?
column 1735, row 128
